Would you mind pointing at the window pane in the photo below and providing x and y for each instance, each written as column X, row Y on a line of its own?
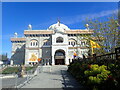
column 59, row 40
column 69, row 43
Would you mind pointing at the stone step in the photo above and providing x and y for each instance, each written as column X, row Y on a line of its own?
column 46, row 68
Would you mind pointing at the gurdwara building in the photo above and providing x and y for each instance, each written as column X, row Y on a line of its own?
column 53, row 46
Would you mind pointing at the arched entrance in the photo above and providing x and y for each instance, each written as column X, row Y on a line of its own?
column 60, row 57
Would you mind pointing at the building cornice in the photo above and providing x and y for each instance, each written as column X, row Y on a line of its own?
column 17, row 39
column 79, row 32
column 77, row 47
column 28, row 32
column 35, row 48
column 17, row 51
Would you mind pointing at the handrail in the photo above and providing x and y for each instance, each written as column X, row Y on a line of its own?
column 114, row 56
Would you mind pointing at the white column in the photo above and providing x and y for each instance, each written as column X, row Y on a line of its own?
column 26, row 57
column 66, row 57
column 11, row 62
column 66, row 60
column 53, row 61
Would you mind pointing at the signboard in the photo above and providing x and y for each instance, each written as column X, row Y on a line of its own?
column 33, row 58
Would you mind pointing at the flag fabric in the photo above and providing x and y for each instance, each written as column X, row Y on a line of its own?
column 39, row 59
column 94, row 44
column 75, row 55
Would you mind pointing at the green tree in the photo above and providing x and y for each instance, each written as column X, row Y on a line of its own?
column 106, row 32
column 4, row 57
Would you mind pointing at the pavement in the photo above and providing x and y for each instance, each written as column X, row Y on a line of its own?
column 53, row 77
column 7, row 76
column 12, row 82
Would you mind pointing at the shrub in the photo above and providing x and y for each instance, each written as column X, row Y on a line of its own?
column 97, row 74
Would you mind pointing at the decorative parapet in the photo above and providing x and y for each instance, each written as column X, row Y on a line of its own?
column 27, row 32
column 17, row 39
column 79, row 31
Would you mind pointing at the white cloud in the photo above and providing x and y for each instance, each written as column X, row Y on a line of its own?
column 79, row 18
column 69, row 20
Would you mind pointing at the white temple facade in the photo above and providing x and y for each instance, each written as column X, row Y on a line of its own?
column 54, row 46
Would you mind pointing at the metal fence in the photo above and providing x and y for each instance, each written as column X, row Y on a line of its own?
column 109, row 56
column 18, row 81
column 28, row 76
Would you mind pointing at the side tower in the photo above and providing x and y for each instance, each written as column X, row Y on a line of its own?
column 38, row 46
column 18, row 50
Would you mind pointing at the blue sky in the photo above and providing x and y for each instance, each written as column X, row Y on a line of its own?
column 17, row 16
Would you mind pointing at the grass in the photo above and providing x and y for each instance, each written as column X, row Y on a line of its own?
column 10, row 70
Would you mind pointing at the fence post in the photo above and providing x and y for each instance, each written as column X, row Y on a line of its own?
column 16, row 77
column 94, row 57
column 27, row 76
column 117, row 52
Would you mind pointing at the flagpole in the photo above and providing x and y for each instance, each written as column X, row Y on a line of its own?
column 92, row 51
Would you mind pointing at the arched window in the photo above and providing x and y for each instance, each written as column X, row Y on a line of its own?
column 36, row 43
column 72, row 42
column 83, row 43
column 59, row 40
column 59, row 54
column 33, row 43
column 69, row 42
column 46, row 42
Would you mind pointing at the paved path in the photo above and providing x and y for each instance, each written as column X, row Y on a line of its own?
column 11, row 82
column 58, row 77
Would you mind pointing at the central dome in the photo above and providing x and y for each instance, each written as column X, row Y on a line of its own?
column 58, row 27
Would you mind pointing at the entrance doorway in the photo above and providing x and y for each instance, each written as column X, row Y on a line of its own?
column 60, row 57
column 59, row 62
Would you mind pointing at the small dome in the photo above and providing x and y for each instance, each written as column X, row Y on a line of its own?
column 29, row 27
column 58, row 27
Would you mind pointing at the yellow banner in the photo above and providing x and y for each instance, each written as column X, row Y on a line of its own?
column 94, row 44
column 33, row 58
